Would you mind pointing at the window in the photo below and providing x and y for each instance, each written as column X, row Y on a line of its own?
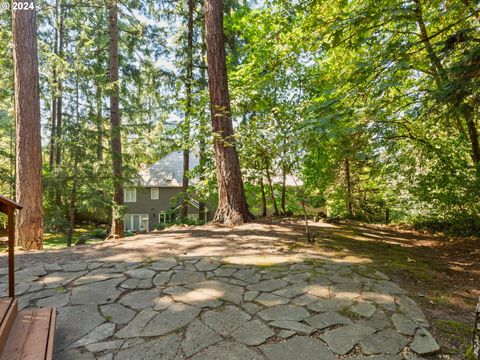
column 130, row 195
column 154, row 193
column 136, row 222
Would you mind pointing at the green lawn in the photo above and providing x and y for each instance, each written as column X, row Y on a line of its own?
column 59, row 240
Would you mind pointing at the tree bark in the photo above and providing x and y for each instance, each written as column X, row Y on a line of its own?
column 188, row 112
column 468, row 113
column 99, row 124
column 53, row 129
column 270, row 187
column 54, row 90
column 348, row 186
column 58, row 136
column 29, row 224
column 203, row 129
column 73, row 205
column 264, row 198
column 116, row 140
column 73, row 195
column 232, row 207
column 284, row 190
column 476, row 333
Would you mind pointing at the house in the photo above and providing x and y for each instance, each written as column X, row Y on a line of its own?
column 155, row 193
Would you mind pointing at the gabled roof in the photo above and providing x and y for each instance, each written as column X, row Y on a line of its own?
column 166, row 172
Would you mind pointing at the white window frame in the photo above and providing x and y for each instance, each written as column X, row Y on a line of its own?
column 134, row 197
column 155, row 191
column 142, row 217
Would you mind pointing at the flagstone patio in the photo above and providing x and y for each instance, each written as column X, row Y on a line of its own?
column 256, row 302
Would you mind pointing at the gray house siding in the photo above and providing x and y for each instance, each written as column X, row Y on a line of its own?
column 145, row 205
column 166, row 175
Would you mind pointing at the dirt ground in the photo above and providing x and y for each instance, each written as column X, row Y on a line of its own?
column 441, row 274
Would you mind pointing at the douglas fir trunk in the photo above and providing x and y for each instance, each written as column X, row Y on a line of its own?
column 29, row 224
column 232, row 205
column 117, row 219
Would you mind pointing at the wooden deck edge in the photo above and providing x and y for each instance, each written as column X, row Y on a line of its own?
column 51, row 335
column 7, row 323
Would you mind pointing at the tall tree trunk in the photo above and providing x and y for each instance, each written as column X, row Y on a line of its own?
column 99, row 116
column 54, row 91
column 53, row 124
column 73, row 195
column 203, row 129
column 116, row 139
column 468, row 113
column 270, row 187
column 232, row 207
column 29, row 224
column 264, row 198
column 188, row 112
column 284, row 189
column 73, row 204
column 58, row 137
column 12, row 160
column 348, row 186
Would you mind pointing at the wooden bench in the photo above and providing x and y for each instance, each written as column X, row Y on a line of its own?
column 27, row 335
column 8, row 314
column 31, row 335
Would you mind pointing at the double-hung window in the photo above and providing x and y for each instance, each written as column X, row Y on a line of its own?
column 154, row 193
column 130, row 195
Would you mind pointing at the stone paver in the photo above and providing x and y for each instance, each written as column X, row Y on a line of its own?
column 117, row 313
column 225, row 321
column 198, row 337
column 424, row 343
column 227, row 307
column 299, row 348
column 227, row 350
column 98, row 334
column 102, row 292
column 284, row 312
column 292, row 325
column 327, row 319
column 141, row 299
column 253, row 333
column 172, row 318
column 343, row 339
column 383, row 342
column 165, row 348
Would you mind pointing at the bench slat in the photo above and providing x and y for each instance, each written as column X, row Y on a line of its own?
column 4, row 306
column 8, row 314
column 30, row 336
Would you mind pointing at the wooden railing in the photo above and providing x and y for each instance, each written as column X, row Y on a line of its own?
column 8, row 207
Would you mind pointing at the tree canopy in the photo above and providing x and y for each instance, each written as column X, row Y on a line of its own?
column 370, row 106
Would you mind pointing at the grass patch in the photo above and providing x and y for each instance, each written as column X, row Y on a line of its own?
column 440, row 298
column 469, row 354
column 458, row 335
column 59, row 240
column 455, row 329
